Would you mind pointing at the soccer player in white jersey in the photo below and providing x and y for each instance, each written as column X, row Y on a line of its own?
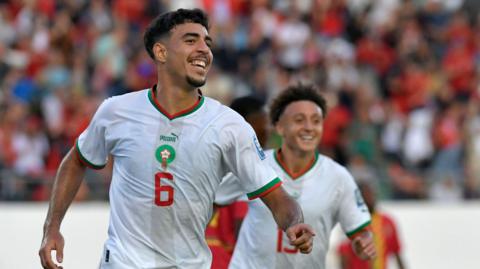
column 324, row 189
column 171, row 148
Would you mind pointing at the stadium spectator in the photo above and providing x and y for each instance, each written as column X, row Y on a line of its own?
column 407, row 54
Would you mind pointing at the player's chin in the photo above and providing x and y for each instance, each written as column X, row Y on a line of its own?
column 196, row 81
column 307, row 146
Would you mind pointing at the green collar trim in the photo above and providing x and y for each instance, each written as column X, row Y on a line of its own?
column 183, row 113
column 276, row 156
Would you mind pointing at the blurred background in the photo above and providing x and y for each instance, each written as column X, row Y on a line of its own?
column 402, row 80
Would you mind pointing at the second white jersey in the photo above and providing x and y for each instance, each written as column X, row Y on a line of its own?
column 327, row 195
column 165, row 174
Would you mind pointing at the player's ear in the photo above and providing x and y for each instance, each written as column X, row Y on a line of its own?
column 160, row 52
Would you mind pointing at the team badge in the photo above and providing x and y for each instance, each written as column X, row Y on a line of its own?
column 165, row 154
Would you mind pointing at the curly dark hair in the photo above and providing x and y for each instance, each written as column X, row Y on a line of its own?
column 165, row 22
column 298, row 92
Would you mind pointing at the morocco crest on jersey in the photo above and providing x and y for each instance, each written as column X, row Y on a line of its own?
column 165, row 154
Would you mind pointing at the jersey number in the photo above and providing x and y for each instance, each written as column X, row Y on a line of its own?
column 280, row 247
column 166, row 189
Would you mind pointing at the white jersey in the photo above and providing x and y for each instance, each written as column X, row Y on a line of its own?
column 165, row 173
column 327, row 194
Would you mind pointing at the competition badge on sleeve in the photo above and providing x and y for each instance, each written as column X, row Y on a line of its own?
column 165, row 154
column 360, row 202
column 259, row 149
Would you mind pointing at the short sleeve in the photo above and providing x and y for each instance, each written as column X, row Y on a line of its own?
column 229, row 191
column 352, row 212
column 245, row 158
column 91, row 145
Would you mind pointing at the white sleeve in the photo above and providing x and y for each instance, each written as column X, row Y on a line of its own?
column 245, row 158
column 229, row 191
column 352, row 212
column 91, row 145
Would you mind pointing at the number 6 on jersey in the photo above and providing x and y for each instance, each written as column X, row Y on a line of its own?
column 166, row 189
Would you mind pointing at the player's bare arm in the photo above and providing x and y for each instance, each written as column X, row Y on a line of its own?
column 289, row 217
column 67, row 182
column 363, row 245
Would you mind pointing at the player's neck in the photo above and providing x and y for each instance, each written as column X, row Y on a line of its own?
column 174, row 99
column 296, row 161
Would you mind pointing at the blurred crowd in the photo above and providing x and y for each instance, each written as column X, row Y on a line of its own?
column 402, row 80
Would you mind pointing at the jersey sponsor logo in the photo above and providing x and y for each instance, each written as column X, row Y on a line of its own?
column 259, row 149
column 165, row 154
column 360, row 202
column 166, row 138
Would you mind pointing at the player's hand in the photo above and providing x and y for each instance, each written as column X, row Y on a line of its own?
column 301, row 236
column 363, row 246
column 52, row 240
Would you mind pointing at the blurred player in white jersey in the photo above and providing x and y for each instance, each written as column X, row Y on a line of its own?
column 171, row 148
column 222, row 231
column 324, row 189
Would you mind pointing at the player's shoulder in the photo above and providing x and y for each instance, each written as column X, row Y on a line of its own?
column 131, row 100
column 127, row 98
column 111, row 107
column 270, row 154
column 225, row 116
column 329, row 162
column 333, row 167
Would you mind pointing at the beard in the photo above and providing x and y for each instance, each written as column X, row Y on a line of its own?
column 195, row 82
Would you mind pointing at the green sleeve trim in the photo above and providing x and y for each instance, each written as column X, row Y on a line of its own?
column 351, row 233
column 85, row 161
column 275, row 183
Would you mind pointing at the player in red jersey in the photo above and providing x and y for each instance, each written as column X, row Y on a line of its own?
column 384, row 234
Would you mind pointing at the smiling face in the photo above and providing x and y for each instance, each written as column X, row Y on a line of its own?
column 187, row 55
column 301, row 126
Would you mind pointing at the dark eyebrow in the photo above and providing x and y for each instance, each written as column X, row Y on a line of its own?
column 190, row 35
column 196, row 35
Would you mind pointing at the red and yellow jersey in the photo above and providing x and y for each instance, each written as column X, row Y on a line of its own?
column 220, row 233
column 386, row 241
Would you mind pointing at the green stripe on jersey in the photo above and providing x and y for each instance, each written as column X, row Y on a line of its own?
column 272, row 184
column 87, row 162
column 349, row 234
